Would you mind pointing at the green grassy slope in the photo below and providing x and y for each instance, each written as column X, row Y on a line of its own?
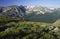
column 26, row 30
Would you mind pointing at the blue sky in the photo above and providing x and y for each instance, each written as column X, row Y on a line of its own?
column 48, row 3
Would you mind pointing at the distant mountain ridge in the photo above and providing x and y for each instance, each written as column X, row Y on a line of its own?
column 17, row 9
column 13, row 10
column 39, row 9
column 31, row 13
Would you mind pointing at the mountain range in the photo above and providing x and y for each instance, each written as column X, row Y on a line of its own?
column 31, row 13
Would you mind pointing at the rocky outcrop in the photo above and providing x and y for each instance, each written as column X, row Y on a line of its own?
column 52, row 29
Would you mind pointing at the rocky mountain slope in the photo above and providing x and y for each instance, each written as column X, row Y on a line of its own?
column 31, row 13
column 17, row 11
